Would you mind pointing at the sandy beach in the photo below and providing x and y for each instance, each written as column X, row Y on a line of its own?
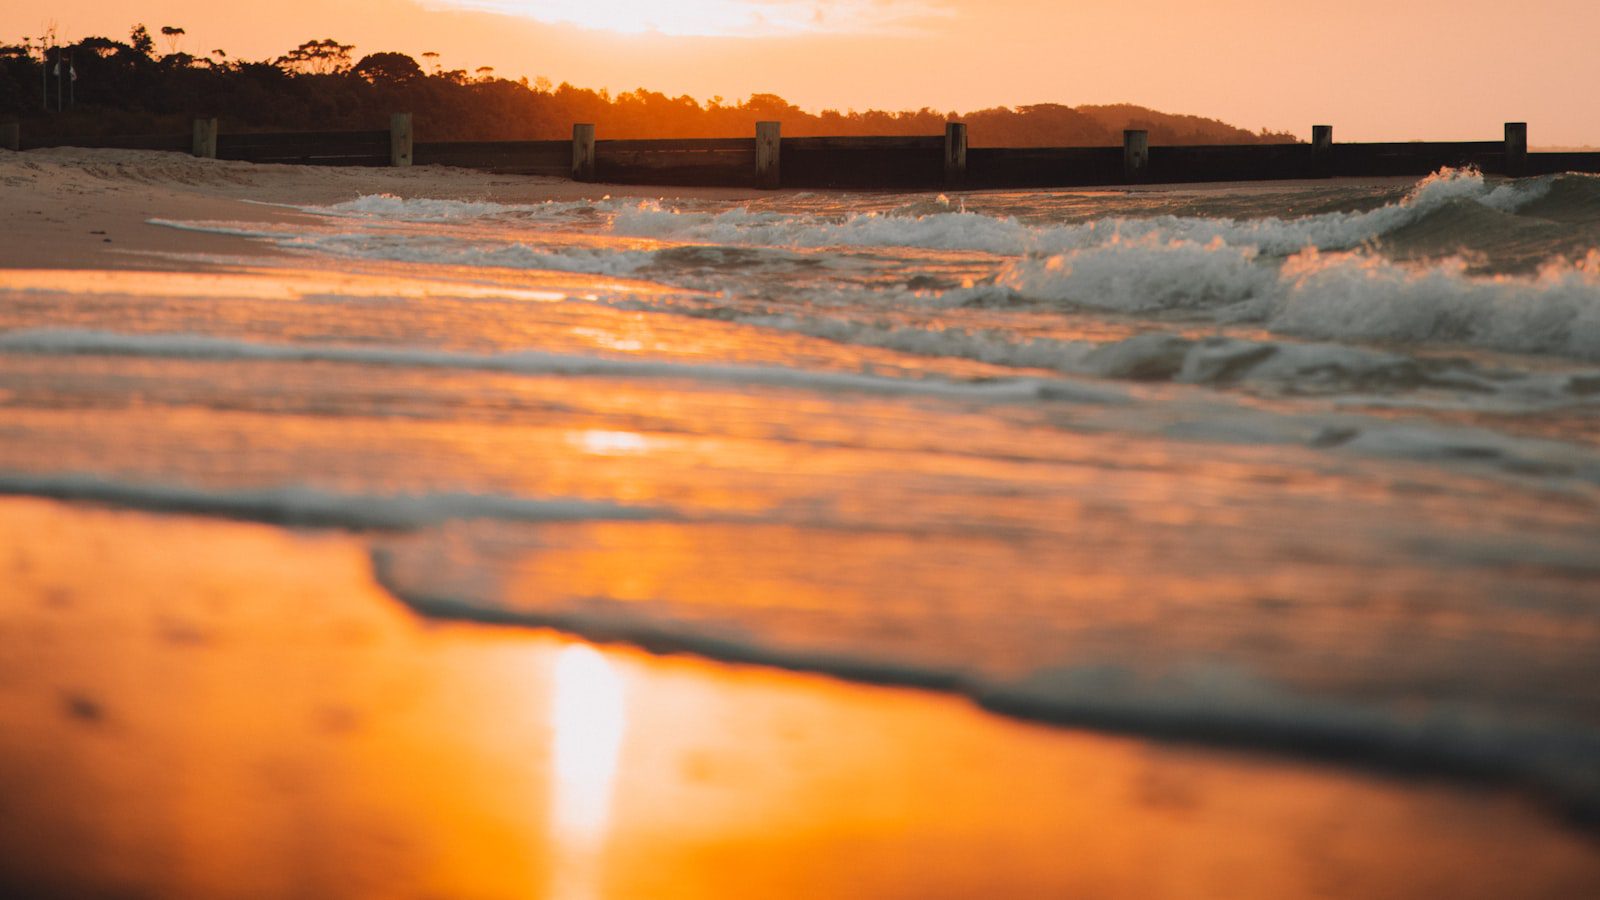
column 75, row 208
column 193, row 705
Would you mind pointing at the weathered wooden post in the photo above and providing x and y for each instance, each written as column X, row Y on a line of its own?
column 400, row 139
column 582, row 152
column 1321, row 150
column 768, row 141
column 1135, row 156
column 1516, row 148
column 955, row 154
column 10, row 135
column 205, row 138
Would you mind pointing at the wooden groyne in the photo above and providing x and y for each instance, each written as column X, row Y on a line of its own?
column 769, row 160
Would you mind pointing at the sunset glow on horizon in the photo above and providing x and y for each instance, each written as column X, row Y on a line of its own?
column 714, row 18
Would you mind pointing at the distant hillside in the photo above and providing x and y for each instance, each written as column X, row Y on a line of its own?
column 127, row 88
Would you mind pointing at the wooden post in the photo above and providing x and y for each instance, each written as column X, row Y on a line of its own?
column 955, row 154
column 582, row 152
column 1516, row 148
column 10, row 135
column 1135, row 156
column 768, row 141
column 400, row 139
column 1321, row 150
column 205, row 138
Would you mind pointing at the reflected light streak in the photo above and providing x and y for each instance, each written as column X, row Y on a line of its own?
column 587, row 719
column 609, row 443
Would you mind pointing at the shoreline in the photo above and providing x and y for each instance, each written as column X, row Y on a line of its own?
column 179, row 718
column 82, row 208
column 90, row 208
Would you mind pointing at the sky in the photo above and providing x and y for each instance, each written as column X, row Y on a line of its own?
column 1374, row 69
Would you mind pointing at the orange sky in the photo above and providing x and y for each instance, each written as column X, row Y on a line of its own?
column 1375, row 69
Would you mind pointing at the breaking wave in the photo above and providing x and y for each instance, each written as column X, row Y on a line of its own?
column 948, row 227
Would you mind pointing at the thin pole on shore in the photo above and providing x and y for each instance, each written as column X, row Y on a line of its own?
column 1516, row 148
column 583, row 152
column 400, row 139
column 955, row 154
column 769, row 141
column 205, row 138
column 1321, row 150
column 1135, row 156
column 10, row 135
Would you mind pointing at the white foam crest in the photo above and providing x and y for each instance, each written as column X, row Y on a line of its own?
column 1348, row 296
column 1343, row 296
column 230, row 228
column 309, row 507
column 427, row 209
column 443, row 250
column 963, row 230
column 1143, row 275
column 743, row 227
column 537, row 363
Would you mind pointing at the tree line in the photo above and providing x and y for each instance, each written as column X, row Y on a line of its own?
column 99, row 87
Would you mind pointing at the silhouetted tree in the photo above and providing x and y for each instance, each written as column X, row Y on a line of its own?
column 142, row 43
column 172, row 33
column 324, row 57
column 388, row 68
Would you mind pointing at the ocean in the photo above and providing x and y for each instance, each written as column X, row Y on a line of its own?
column 1312, row 468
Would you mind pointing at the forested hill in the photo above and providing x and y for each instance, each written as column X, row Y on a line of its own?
column 130, row 88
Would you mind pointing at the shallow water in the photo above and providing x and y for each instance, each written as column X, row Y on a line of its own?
column 1308, row 468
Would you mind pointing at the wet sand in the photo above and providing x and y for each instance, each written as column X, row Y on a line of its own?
column 196, row 708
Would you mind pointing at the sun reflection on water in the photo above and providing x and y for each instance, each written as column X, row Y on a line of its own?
column 609, row 443
column 587, row 719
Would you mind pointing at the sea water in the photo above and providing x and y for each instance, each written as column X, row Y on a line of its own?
column 1309, row 468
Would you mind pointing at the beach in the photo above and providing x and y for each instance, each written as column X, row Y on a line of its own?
column 423, row 532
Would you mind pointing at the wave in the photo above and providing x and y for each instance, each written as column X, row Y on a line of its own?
column 1212, row 704
column 426, row 209
column 1202, row 703
column 1208, row 361
column 1311, row 294
column 938, row 226
column 1341, row 296
column 1287, row 366
column 1008, row 236
column 532, row 362
column 311, row 508
column 1572, row 198
column 1312, row 277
